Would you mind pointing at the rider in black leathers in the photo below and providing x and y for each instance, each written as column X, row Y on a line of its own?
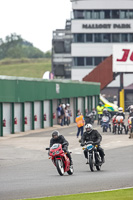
column 92, row 135
column 57, row 138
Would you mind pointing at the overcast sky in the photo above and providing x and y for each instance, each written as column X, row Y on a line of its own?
column 34, row 20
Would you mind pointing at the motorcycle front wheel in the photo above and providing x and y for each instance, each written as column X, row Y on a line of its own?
column 97, row 159
column 71, row 170
column 91, row 163
column 59, row 166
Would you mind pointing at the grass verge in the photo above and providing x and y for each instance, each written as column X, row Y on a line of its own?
column 34, row 68
column 122, row 194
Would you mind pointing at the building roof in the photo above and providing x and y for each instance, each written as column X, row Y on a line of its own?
column 129, row 87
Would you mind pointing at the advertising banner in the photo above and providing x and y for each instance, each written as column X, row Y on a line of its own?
column 123, row 58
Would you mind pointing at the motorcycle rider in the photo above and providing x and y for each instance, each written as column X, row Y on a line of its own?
column 106, row 113
column 92, row 135
column 57, row 138
column 121, row 113
column 131, row 111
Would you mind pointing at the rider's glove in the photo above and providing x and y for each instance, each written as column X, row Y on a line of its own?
column 82, row 144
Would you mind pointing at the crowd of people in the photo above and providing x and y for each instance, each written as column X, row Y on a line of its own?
column 64, row 114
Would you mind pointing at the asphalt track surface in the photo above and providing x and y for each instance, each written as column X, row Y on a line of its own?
column 26, row 171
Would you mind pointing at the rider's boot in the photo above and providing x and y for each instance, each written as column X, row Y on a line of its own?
column 103, row 159
column 71, row 162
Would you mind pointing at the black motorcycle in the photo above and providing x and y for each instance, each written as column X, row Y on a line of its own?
column 90, row 117
column 94, row 159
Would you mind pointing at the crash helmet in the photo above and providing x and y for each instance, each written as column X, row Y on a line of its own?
column 100, row 104
column 120, row 109
column 63, row 105
column 131, row 108
column 105, row 110
column 55, row 134
column 88, row 128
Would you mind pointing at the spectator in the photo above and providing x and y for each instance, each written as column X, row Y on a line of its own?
column 59, row 108
column 67, row 114
column 80, row 123
column 62, row 114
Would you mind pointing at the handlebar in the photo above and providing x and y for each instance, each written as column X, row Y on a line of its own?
column 86, row 143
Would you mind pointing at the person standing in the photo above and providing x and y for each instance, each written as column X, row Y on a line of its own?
column 59, row 114
column 63, row 115
column 80, row 123
column 100, row 108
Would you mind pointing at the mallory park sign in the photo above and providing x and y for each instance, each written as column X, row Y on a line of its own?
column 106, row 26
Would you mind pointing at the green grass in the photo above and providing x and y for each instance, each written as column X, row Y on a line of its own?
column 25, row 67
column 123, row 194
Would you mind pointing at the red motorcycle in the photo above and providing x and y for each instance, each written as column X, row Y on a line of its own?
column 130, row 126
column 60, row 159
column 120, row 124
column 114, row 124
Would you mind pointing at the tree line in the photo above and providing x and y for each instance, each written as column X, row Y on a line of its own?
column 14, row 46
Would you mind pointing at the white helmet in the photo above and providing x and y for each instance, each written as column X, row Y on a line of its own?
column 131, row 108
column 63, row 106
column 88, row 128
column 120, row 109
column 68, row 104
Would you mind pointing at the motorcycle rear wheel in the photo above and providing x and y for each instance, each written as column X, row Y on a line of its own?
column 71, row 170
column 60, row 167
column 91, row 163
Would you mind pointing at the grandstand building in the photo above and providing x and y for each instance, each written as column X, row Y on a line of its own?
column 95, row 25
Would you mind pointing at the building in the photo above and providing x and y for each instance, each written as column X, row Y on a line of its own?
column 61, row 52
column 95, row 26
column 30, row 103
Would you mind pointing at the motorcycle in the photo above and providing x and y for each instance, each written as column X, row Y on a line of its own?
column 120, row 124
column 60, row 159
column 89, row 119
column 105, row 123
column 130, row 126
column 114, row 124
column 94, row 159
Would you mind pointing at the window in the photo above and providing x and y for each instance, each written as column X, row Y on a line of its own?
column 123, row 14
column 79, row 14
column 116, row 37
column 96, row 14
column 97, row 60
column 98, row 37
column 80, row 37
column 106, row 37
column 107, row 14
column 115, row 14
column 130, row 14
column 124, row 37
column 89, row 14
column 74, row 38
column 89, row 61
column 80, row 61
column 131, row 37
column 88, row 37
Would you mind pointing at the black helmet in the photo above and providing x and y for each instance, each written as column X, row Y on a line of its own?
column 100, row 104
column 55, row 133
